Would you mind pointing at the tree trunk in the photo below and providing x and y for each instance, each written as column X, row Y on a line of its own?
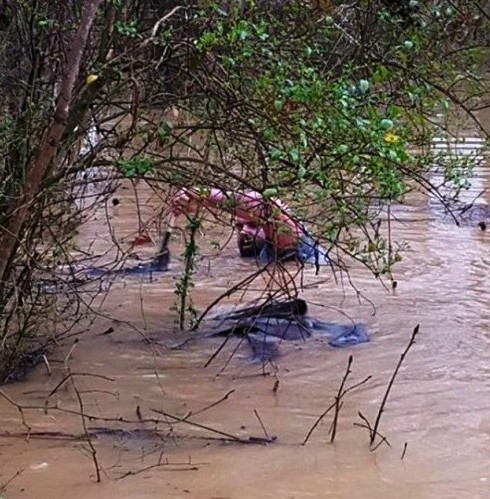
column 48, row 147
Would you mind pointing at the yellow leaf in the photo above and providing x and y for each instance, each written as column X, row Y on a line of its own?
column 91, row 78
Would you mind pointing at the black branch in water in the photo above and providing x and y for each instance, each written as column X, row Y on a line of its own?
column 337, row 403
column 374, row 430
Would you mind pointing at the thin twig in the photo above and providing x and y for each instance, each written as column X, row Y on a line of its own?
column 218, row 350
column 357, row 385
column 19, row 408
column 208, row 428
column 404, row 451
column 92, row 417
column 166, row 466
column 317, row 422
column 339, row 395
column 4, row 486
column 380, row 435
column 342, row 395
column 48, row 435
column 70, row 375
column 261, row 424
column 93, row 451
column 390, row 384
column 214, row 404
column 70, row 352
column 46, row 363
column 367, row 424
column 247, row 280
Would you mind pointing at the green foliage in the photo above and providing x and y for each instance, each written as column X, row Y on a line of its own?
column 335, row 122
column 163, row 132
column 136, row 166
column 128, row 29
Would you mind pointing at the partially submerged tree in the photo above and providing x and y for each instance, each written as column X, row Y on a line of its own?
column 33, row 133
column 333, row 111
column 330, row 105
column 54, row 104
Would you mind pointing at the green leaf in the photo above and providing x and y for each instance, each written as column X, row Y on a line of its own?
column 278, row 104
column 393, row 155
column 163, row 131
column 363, row 86
column 386, row 124
column 408, row 44
column 294, row 155
column 135, row 166
column 381, row 74
column 270, row 192
column 275, row 155
column 393, row 111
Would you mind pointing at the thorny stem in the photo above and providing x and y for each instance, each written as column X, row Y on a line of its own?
column 185, row 283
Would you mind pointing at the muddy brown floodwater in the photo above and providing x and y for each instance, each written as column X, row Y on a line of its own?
column 439, row 407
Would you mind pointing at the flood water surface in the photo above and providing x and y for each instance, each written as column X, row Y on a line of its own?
column 437, row 417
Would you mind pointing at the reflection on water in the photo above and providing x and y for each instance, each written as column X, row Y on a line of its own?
column 439, row 406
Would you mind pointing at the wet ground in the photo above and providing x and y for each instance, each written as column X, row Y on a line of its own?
column 438, row 414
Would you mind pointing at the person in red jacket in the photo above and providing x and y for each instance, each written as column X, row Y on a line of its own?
column 265, row 227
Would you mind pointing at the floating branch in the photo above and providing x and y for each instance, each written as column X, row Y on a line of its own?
column 229, row 436
column 165, row 464
column 261, row 424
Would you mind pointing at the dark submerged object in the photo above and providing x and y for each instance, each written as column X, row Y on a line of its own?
column 265, row 326
column 473, row 214
column 466, row 215
column 142, row 269
column 159, row 263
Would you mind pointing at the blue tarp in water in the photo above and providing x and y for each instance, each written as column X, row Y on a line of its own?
column 268, row 325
